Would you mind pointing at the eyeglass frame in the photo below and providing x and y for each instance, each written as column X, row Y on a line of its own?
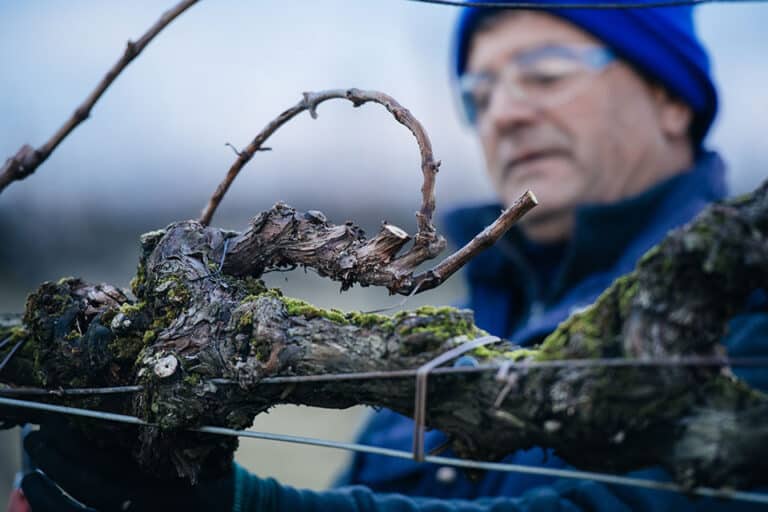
column 595, row 58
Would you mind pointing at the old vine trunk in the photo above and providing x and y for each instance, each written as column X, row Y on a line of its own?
column 193, row 323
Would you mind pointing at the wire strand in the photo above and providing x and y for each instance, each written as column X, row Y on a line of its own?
column 684, row 361
column 25, row 391
column 446, row 461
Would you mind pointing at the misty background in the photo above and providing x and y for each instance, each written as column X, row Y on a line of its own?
column 154, row 148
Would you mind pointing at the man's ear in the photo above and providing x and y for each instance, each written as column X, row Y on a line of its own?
column 675, row 117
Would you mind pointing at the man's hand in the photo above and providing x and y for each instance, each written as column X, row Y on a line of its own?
column 73, row 475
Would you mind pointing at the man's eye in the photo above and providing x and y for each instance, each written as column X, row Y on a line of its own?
column 542, row 79
column 482, row 97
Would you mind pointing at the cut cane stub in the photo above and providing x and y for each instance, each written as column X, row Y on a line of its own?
column 166, row 366
column 396, row 231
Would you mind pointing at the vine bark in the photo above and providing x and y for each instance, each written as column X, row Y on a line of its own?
column 191, row 325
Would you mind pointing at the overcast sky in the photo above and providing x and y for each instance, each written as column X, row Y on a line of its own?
column 225, row 68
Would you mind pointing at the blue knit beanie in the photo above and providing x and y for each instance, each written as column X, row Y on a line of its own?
column 660, row 43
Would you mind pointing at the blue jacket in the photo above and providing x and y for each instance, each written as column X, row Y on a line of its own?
column 520, row 292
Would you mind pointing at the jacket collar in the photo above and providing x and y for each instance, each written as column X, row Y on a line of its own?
column 602, row 233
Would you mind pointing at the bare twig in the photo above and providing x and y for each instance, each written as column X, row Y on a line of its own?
column 486, row 238
column 28, row 159
column 427, row 234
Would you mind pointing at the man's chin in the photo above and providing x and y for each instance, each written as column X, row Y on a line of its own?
column 539, row 175
column 552, row 195
column 550, row 190
column 548, row 225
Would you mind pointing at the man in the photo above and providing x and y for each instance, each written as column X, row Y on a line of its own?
column 602, row 114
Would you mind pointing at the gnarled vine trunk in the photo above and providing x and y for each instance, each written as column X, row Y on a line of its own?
column 193, row 323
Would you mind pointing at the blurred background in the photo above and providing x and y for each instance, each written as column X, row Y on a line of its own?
column 154, row 148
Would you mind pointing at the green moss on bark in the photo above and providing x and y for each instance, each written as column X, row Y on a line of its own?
column 589, row 333
column 298, row 307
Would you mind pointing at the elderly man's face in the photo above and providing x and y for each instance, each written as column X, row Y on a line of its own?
column 611, row 139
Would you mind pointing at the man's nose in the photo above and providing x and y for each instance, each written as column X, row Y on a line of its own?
column 510, row 107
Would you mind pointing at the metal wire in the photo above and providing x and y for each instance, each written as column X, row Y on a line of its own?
column 503, row 372
column 685, row 361
column 446, row 461
column 703, row 361
column 582, row 5
column 23, row 391
column 618, row 362
column 75, row 411
column 422, row 374
column 11, row 353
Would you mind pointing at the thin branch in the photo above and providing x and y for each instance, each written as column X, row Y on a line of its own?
column 27, row 159
column 486, row 238
column 429, row 167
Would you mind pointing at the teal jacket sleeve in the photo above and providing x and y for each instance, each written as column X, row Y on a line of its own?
column 254, row 494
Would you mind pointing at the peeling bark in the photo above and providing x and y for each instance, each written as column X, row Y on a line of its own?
column 191, row 323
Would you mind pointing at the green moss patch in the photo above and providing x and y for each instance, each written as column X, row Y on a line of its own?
column 442, row 323
column 298, row 307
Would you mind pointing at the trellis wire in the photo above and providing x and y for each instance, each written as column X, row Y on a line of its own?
column 24, row 391
column 446, row 461
column 422, row 375
column 618, row 362
column 502, row 371
column 583, row 5
column 11, row 352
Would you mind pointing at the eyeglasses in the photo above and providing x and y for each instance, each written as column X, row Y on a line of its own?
column 546, row 76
